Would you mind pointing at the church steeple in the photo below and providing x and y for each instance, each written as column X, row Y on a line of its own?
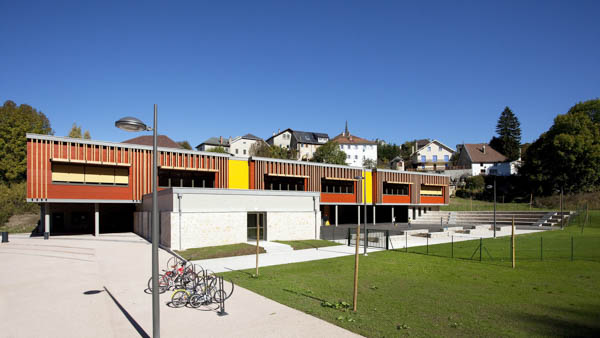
column 346, row 133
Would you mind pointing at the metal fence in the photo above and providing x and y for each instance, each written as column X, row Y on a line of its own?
column 527, row 248
column 376, row 238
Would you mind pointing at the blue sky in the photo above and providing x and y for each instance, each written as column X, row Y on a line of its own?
column 395, row 70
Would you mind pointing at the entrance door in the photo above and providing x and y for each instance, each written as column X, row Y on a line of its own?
column 253, row 218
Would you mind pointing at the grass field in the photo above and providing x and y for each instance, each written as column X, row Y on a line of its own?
column 464, row 204
column 239, row 249
column 308, row 244
column 415, row 294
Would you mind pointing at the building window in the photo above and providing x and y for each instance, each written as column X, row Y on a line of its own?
column 348, row 156
column 395, row 189
column 440, row 148
column 236, row 151
column 428, row 190
column 284, row 183
column 355, row 146
column 428, row 148
column 422, row 166
column 185, row 179
column 337, row 187
column 423, row 158
column 434, row 158
column 356, row 157
column 244, row 151
column 446, row 158
column 87, row 174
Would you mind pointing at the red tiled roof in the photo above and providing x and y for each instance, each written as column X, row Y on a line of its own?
column 477, row 155
column 351, row 139
column 146, row 140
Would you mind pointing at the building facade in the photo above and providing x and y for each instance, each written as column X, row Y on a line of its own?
column 485, row 160
column 86, row 186
column 241, row 145
column 303, row 142
column 431, row 156
column 357, row 149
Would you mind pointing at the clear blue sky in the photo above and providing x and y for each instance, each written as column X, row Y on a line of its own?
column 395, row 70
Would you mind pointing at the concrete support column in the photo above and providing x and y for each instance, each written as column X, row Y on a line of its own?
column 46, row 220
column 358, row 207
column 374, row 216
column 393, row 220
column 419, row 212
column 414, row 210
column 96, row 219
column 336, row 215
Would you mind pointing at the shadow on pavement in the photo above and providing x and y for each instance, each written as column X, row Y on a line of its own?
column 131, row 320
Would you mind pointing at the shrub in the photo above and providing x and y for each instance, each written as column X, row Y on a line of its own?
column 13, row 201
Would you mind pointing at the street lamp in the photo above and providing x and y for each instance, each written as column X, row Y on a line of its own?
column 490, row 187
column 561, row 208
column 134, row 124
column 366, row 240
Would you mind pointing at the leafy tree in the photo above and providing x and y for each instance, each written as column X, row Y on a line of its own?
column 219, row 150
column 387, row 152
column 369, row 163
column 185, row 145
column 262, row 149
column 330, row 152
column 508, row 129
column 590, row 107
column 475, row 183
column 566, row 156
column 76, row 132
column 15, row 122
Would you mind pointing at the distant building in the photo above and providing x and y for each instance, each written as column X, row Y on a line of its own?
column 431, row 155
column 147, row 140
column 357, row 149
column 214, row 142
column 304, row 142
column 397, row 163
column 485, row 160
column 240, row 146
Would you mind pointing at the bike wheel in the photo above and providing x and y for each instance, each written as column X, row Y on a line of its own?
column 179, row 298
column 163, row 283
column 196, row 301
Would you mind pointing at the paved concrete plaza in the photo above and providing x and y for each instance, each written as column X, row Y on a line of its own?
column 82, row 286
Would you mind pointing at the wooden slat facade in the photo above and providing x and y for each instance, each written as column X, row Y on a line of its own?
column 41, row 153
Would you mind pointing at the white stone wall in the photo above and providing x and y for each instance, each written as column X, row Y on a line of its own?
column 219, row 216
column 283, row 140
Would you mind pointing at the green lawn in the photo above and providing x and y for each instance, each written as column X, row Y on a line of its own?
column 464, row 204
column 239, row 249
column 416, row 294
column 308, row 244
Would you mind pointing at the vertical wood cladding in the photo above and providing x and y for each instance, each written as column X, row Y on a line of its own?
column 42, row 152
column 311, row 172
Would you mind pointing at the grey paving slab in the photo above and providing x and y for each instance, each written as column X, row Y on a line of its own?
column 82, row 286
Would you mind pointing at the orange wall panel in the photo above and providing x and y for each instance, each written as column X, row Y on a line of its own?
column 338, row 198
column 396, row 199
column 432, row 199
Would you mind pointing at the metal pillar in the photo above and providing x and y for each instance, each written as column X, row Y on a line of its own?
column 47, row 220
column 393, row 219
column 374, row 218
column 336, row 215
column 358, row 214
column 155, row 233
column 96, row 219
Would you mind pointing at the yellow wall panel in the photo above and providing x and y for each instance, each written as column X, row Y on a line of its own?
column 122, row 175
column 67, row 173
column 369, row 179
column 239, row 174
column 99, row 175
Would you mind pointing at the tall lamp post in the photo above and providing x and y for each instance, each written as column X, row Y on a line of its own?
column 490, row 187
column 364, row 198
column 134, row 124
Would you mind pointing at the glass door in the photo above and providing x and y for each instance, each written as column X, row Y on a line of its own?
column 255, row 218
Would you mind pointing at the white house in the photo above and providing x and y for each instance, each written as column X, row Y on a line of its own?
column 304, row 142
column 431, row 155
column 240, row 146
column 214, row 142
column 485, row 160
column 357, row 149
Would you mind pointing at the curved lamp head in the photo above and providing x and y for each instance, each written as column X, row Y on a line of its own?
column 489, row 186
column 131, row 124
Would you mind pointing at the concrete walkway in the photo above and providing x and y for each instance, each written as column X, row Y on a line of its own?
column 295, row 256
column 85, row 286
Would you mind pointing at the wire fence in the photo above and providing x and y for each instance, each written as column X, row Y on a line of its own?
column 527, row 248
